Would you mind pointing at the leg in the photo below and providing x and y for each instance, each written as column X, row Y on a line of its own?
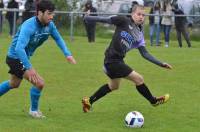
column 167, row 30
column 4, row 87
column 157, row 34
column 186, row 36
column 178, row 32
column 92, row 32
column 14, row 82
column 16, row 76
column 143, row 89
column 151, row 31
column 90, row 29
column 11, row 27
column 87, row 31
column 35, row 93
column 1, row 22
column 101, row 92
column 165, row 35
column 164, row 32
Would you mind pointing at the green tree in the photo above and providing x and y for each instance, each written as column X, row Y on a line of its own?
column 62, row 19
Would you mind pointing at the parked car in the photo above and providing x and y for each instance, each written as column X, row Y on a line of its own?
column 119, row 6
column 191, row 7
column 149, row 3
column 195, row 20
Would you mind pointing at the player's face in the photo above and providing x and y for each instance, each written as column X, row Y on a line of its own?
column 138, row 16
column 46, row 17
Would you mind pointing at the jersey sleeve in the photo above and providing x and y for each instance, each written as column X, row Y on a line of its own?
column 22, row 41
column 59, row 40
column 148, row 56
column 119, row 20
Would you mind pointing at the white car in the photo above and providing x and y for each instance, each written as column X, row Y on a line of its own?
column 191, row 7
column 118, row 6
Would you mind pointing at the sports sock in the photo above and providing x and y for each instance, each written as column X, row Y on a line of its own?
column 102, row 91
column 4, row 87
column 144, row 91
column 35, row 96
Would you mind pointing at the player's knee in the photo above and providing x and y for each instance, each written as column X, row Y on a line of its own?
column 139, row 80
column 40, row 84
column 14, row 85
column 113, row 86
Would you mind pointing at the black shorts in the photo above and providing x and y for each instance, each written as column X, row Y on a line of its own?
column 16, row 67
column 117, row 70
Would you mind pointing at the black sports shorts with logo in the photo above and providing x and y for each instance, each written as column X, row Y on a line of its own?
column 117, row 70
column 16, row 67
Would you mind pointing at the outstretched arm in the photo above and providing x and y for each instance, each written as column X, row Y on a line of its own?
column 116, row 20
column 98, row 19
column 150, row 58
column 61, row 44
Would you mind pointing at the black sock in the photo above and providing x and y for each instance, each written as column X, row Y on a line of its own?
column 102, row 91
column 143, row 90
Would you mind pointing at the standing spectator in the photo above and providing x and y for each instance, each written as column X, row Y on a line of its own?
column 181, row 26
column 90, row 26
column 10, row 16
column 154, row 23
column 1, row 16
column 167, row 21
column 29, row 8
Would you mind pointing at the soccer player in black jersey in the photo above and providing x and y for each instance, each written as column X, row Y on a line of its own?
column 128, row 35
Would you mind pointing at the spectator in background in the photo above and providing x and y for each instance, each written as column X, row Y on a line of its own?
column 167, row 21
column 10, row 16
column 29, row 6
column 181, row 26
column 154, row 23
column 90, row 26
column 1, row 16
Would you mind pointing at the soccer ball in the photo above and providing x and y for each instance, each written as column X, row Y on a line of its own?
column 134, row 119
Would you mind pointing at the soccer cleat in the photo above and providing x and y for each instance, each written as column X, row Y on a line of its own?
column 161, row 100
column 36, row 114
column 86, row 104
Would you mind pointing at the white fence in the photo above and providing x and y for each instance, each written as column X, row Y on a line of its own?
column 73, row 14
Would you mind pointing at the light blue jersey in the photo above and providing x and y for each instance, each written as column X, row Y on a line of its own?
column 30, row 36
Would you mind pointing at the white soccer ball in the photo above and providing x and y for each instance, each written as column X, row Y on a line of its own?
column 134, row 119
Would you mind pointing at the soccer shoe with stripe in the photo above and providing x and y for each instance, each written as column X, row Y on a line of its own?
column 36, row 114
column 86, row 104
column 161, row 100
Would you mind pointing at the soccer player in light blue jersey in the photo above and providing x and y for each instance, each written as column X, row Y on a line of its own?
column 31, row 34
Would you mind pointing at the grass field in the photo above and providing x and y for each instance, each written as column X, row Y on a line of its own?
column 66, row 85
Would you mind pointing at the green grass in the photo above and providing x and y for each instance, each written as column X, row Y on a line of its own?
column 66, row 84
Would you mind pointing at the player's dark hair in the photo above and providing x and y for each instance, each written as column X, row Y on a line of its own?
column 134, row 3
column 137, row 6
column 44, row 5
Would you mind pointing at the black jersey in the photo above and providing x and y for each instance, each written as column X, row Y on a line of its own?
column 127, row 36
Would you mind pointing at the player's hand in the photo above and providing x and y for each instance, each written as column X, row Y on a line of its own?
column 31, row 75
column 71, row 59
column 167, row 66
